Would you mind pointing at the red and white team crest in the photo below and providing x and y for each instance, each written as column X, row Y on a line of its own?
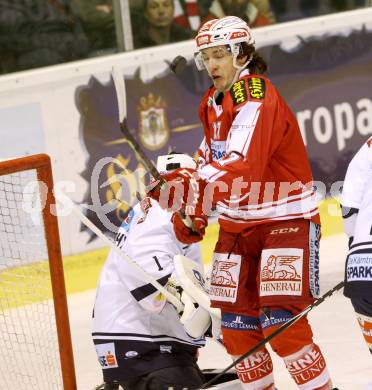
column 225, row 277
column 281, row 272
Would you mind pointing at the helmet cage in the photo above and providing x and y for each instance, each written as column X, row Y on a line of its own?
column 230, row 31
column 234, row 49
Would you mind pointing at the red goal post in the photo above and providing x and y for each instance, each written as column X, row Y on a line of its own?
column 34, row 323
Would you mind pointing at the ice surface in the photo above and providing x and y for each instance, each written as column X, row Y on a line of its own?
column 335, row 329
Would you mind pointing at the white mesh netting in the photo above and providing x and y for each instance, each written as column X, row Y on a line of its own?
column 29, row 357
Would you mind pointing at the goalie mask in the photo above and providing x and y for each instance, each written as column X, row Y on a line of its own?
column 170, row 162
column 230, row 31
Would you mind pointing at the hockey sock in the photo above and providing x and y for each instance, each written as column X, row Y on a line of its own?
column 256, row 371
column 308, row 368
column 365, row 324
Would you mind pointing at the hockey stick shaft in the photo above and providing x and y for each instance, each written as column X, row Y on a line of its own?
column 122, row 106
column 121, row 97
column 149, row 166
column 285, row 326
column 143, row 275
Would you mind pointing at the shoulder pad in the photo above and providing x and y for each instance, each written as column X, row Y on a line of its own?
column 256, row 87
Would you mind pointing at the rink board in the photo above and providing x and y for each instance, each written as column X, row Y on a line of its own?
column 70, row 109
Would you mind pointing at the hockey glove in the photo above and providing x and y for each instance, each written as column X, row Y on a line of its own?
column 195, row 319
column 174, row 288
column 182, row 188
column 186, row 234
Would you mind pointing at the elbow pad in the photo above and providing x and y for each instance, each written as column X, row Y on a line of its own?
column 349, row 217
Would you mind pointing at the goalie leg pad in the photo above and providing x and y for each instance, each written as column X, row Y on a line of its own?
column 191, row 277
column 176, row 378
column 108, row 386
column 195, row 321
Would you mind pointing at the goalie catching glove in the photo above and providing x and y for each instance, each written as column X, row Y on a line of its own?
column 195, row 319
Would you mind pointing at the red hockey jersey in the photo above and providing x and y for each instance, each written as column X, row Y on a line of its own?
column 254, row 153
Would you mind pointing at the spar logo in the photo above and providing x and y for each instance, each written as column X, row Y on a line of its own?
column 281, row 272
column 106, row 355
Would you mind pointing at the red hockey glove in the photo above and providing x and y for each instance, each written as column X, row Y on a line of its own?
column 186, row 234
column 174, row 195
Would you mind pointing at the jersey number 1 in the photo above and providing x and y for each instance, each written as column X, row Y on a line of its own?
column 157, row 263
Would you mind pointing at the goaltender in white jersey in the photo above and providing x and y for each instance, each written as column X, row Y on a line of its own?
column 140, row 341
column 356, row 203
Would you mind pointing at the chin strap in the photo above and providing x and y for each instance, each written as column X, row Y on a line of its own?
column 239, row 70
column 241, row 67
column 234, row 49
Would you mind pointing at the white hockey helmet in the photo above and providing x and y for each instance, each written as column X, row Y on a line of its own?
column 228, row 31
column 170, row 162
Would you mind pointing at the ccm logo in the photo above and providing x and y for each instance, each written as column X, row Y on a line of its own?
column 285, row 230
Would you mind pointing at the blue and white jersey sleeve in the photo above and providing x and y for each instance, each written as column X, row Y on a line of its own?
column 357, row 182
column 357, row 195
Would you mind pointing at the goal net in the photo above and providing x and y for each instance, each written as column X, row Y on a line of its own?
column 35, row 341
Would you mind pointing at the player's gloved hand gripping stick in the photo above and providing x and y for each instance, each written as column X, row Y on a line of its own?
column 121, row 97
column 149, row 166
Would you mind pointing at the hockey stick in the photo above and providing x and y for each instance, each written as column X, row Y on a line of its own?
column 285, row 326
column 122, row 106
column 149, row 166
column 135, row 267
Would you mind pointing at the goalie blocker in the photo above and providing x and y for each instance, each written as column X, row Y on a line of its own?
column 198, row 315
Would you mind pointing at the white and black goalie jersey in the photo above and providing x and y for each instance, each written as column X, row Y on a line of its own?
column 357, row 199
column 133, row 325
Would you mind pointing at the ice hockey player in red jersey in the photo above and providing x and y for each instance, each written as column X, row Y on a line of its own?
column 356, row 203
column 254, row 171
